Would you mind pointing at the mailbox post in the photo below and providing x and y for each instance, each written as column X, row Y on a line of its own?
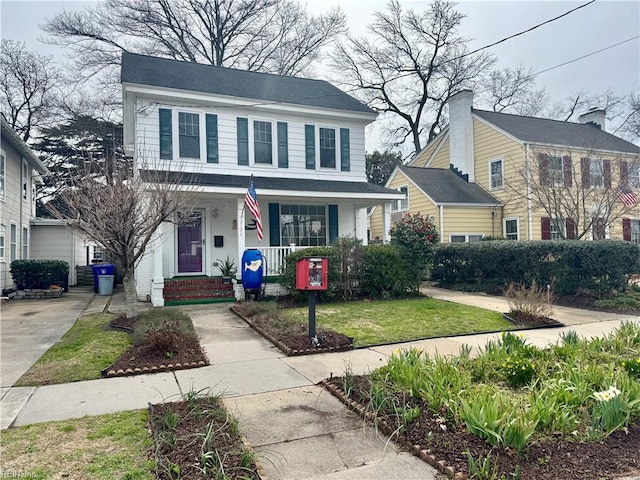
column 311, row 276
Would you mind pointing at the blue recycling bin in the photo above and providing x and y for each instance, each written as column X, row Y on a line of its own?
column 252, row 269
column 101, row 269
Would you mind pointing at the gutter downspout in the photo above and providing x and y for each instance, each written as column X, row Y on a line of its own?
column 441, row 208
column 529, row 212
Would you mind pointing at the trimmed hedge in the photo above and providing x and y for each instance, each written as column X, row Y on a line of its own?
column 40, row 273
column 597, row 267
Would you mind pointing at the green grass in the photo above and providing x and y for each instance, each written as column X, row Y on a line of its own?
column 105, row 447
column 80, row 354
column 376, row 322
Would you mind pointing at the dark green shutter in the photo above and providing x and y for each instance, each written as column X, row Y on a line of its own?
column 345, row 150
column 283, row 145
column 274, row 224
column 166, row 145
column 212, row 138
column 333, row 223
column 310, row 146
column 243, row 141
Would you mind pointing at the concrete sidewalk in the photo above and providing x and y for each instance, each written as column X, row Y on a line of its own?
column 298, row 429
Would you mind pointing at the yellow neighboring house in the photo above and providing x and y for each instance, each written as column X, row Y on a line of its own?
column 520, row 178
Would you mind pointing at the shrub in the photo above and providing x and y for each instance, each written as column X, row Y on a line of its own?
column 165, row 339
column 39, row 273
column 518, row 371
column 572, row 267
column 534, row 300
column 348, row 252
column 416, row 236
column 383, row 274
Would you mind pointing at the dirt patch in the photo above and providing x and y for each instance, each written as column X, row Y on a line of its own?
column 196, row 438
column 186, row 352
column 531, row 321
column 443, row 445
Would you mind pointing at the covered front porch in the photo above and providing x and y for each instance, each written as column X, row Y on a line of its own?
column 220, row 227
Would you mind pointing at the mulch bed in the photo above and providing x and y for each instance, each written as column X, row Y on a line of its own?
column 442, row 444
column 297, row 341
column 183, row 445
column 187, row 353
column 531, row 321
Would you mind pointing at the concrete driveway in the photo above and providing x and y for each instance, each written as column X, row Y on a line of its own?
column 29, row 327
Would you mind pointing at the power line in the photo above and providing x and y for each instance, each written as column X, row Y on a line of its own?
column 584, row 56
column 523, row 31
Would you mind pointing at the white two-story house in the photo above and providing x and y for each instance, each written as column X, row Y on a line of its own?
column 302, row 140
column 20, row 171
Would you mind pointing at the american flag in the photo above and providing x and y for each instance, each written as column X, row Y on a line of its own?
column 626, row 196
column 251, row 201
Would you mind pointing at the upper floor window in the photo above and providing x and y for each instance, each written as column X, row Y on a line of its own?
column 556, row 171
column 596, row 173
column 3, row 233
column 2, row 175
column 495, row 174
column 262, row 142
column 634, row 176
column 401, row 205
column 327, row 148
column 189, row 134
column 25, row 180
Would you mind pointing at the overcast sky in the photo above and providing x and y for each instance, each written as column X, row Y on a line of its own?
column 597, row 26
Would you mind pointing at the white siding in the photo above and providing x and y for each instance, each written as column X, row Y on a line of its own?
column 147, row 150
column 58, row 242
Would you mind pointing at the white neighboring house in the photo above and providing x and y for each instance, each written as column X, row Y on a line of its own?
column 302, row 140
column 20, row 172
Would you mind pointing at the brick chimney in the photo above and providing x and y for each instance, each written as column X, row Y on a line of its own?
column 461, row 132
column 595, row 117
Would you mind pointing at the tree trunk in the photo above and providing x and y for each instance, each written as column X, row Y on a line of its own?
column 130, row 294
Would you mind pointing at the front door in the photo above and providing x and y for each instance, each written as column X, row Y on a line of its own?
column 190, row 245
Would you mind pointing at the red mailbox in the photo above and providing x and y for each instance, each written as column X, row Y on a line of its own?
column 312, row 273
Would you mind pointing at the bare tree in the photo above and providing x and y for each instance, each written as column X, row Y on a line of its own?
column 579, row 102
column 630, row 127
column 276, row 36
column 29, row 86
column 580, row 192
column 122, row 214
column 409, row 65
column 513, row 91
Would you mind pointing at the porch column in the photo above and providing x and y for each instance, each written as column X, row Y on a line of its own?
column 157, row 278
column 241, row 236
column 386, row 222
column 361, row 225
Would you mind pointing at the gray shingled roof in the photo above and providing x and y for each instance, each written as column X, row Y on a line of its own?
column 10, row 136
column 162, row 72
column 444, row 186
column 263, row 184
column 556, row 132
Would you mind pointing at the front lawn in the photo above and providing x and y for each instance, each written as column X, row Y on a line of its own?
column 81, row 353
column 376, row 322
column 105, row 447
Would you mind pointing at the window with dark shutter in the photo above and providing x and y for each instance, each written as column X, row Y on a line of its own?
column 211, row 123
column 283, row 145
column 568, row 171
column 310, row 146
column 243, row 140
column 166, row 144
column 545, row 228
column 543, row 167
column 626, row 229
column 333, row 223
column 585, row 173
column 345, row 150
column 606, row 167
column 571, row 228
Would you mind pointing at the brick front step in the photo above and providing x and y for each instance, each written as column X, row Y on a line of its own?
column 197, row 289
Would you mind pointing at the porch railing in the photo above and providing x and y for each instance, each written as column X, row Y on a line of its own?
column 274, row 258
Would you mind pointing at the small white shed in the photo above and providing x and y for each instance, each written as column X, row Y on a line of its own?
column 52, row 239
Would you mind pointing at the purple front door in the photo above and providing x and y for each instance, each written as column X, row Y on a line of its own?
column 190, row 246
